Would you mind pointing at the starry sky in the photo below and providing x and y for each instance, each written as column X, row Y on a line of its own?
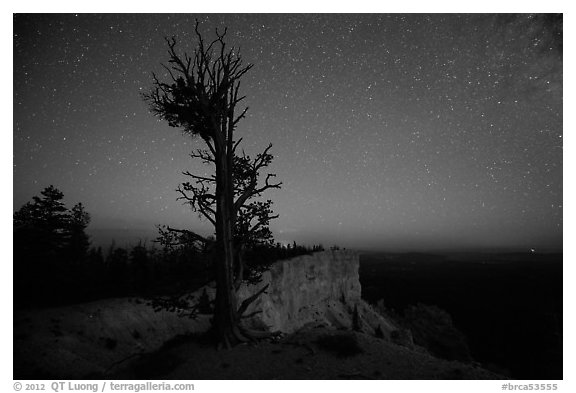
column 390, row 131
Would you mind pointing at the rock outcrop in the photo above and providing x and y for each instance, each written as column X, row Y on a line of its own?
column 320, row 289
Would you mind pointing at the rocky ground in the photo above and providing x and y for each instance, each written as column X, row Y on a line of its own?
column 312, row 353
column 123, row 339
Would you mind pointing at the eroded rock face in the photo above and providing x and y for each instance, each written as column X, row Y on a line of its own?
column 322, row 288
column 299, row 286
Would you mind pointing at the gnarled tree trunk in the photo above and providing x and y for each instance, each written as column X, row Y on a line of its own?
column 225, row 318
column 201, row 97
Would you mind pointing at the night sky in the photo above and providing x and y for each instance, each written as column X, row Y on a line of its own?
column 407, row 132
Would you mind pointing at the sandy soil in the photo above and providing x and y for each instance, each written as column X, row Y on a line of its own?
column 298, row 356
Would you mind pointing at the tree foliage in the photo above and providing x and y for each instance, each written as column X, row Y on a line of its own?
column 45, row 228
column 49, row 242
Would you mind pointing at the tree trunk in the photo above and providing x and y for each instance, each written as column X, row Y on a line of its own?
column 226, row 320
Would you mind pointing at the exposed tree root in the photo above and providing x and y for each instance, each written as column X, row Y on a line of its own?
column 239, row 334
column 242, row 335
column 260, row 334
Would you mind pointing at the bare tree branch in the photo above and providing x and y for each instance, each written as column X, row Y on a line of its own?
column 200, row 178
column 244, row 306
column 193, row 235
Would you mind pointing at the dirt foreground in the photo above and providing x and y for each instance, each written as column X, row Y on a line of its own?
column 314, row 353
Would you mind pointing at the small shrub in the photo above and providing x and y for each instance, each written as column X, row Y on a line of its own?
column 157, row 364
column 343, row 345
column 204, row 304
column 402, row 337
column 356, row 325
column 110, row 343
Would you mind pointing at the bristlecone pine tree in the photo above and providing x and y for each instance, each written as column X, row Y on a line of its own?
column 200, row 98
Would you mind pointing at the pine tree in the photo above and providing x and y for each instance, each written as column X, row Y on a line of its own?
column 201, row 98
